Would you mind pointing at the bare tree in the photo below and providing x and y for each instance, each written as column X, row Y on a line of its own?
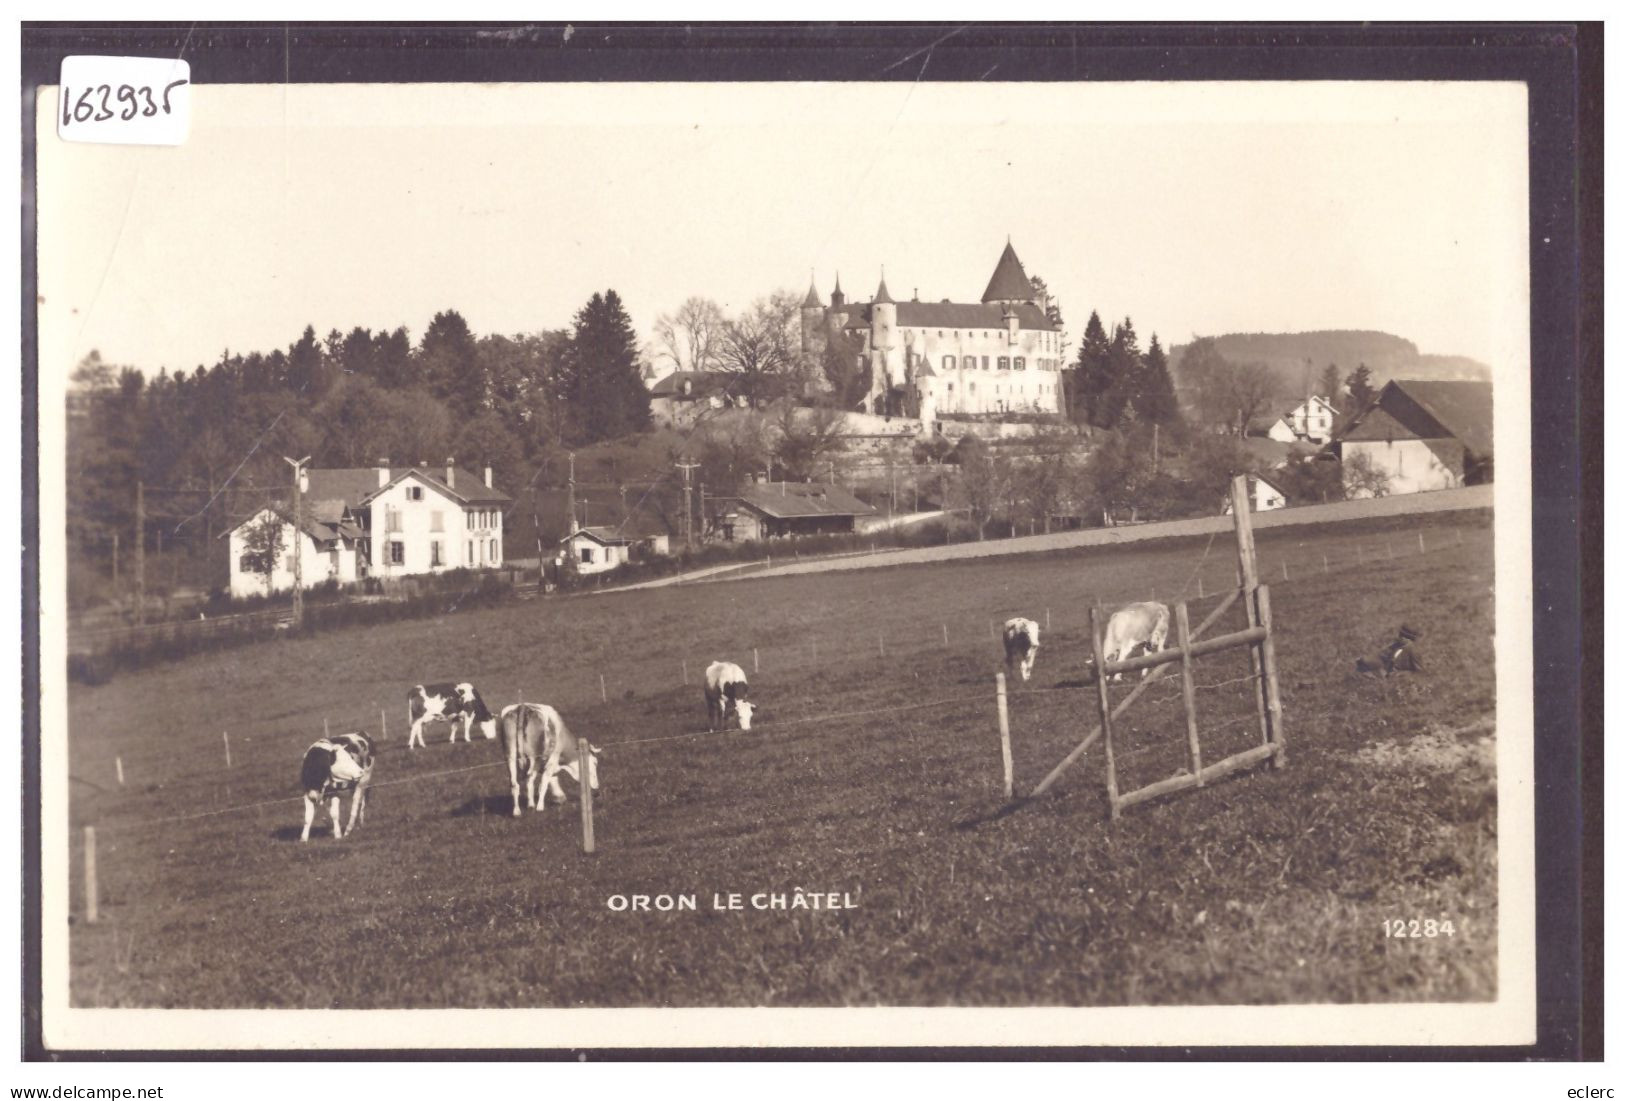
column 691, row 338
column 763, row 344
column 1230, row 395
column 806, row 435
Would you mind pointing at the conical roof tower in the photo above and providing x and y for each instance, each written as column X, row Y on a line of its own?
column 1009, row 282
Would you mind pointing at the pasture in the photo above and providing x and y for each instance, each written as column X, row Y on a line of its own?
column 874, row 771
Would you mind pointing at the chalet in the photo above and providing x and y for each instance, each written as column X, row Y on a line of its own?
column 1425, row 435
column 385, row 522
column 778, row 510
column 596, row 549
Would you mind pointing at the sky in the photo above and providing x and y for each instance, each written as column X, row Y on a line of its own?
column 1195, row 209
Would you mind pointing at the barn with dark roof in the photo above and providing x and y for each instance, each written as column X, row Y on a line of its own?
column 1425, row 435
column 999, row 355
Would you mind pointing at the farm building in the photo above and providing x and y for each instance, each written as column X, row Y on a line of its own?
column 596, row 549
column 1309, row 420
column 399, row 521
column 678, row 399
column 1425, row 435
column 778, row 510
column 327, row 547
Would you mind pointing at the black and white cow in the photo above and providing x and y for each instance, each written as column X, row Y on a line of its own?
column 1020, row 646
column 1133, row 626
column 331, row 767
column 725, row 692
column 538, row 746
column 451, row 703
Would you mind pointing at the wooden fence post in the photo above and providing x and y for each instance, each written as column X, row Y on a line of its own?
column 226, row 737
column 118, row 766
column 325, row 732
column 1004, row 738
column 1247, row 563
column 1046, row 617
column 755, row 660
column 603, row 691
column 1199, row 592
column 1182, row 627
column 1421, row 543
column 945, row 634
column 1286, row 575
column 882, row 643
column 383, row 725
column 585, row 770
column 1324, row 567
column 92, row 913
column 1271, row 686
column 1105, row 711
column 685, row 670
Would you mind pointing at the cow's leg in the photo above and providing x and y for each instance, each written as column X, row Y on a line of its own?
column 414, row 737
column 310, row 816
column 549, row 782
column 333, row 813
column 356, row 798
column 533, row 778
column 513, row 781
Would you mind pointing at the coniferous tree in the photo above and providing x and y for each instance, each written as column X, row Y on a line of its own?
column 1091, row 376
column 603, row 385
column 1156, row 402
column 1361, row 392
column 1123, row 372
column 451, row 365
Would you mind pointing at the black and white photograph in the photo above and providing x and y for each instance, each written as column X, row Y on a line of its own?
column 1009, row 561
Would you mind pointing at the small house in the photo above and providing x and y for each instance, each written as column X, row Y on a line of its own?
column 781, row 510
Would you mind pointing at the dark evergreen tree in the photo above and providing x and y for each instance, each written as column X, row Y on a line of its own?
column 1091, row 377
column 1156, row 402
column 451, row 365
column 1361, row 392
column 1123, row 377
column 603, row 385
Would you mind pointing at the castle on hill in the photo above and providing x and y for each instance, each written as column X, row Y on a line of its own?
column 999, row 355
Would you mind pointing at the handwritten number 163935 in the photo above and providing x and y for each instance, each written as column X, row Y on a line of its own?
column 101, row 102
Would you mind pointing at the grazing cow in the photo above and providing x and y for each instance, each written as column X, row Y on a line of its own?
column 725, row 692
column 333, row 766
column 451, row 703
column 539, row 746
column 1132, row 626
column 1020, row 646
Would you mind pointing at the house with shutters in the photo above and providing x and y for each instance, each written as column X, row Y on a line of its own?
column 380, row 522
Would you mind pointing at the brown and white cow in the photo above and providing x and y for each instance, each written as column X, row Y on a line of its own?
column 725, row 692
column 451, row 703
column 331, row 767
column 538, row 746
column 1133, row 626
column 1020, row 646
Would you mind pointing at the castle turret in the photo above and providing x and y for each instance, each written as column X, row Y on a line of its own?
column 812, row 319
column 837, row 297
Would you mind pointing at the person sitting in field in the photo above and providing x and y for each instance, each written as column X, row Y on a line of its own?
column 1399, row 656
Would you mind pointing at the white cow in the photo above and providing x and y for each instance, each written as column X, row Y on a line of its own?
column 539, row 746
column 1020, row 646
column 331, row 767
column 1132, row 626
column 725, row 692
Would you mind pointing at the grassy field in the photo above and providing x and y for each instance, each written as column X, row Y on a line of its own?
column 871, row 774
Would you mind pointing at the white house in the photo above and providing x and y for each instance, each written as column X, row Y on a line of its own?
column 398, row 521
column 1309, row 420
column 1265, row 495
column 596, row 549
column 327, row 548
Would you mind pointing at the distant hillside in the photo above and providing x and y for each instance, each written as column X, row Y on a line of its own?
column 1387, row 355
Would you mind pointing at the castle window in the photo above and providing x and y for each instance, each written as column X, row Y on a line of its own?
column 948, row 362
column 984, row 363
column 1021, row 363
column 1004, row 363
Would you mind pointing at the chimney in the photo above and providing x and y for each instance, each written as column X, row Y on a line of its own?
column 487, row 477
column 451, row 473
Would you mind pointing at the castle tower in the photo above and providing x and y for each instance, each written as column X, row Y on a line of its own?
column 837, row 298
column 1010, row 288
column 812, row 319
column 888, row 359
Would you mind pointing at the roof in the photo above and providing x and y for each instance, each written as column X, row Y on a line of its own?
column 812, row 301
column 955, row 315
column 1009, row 282
column 783, row 500
column 357, row 485
column 323, row 529
column 1414, row 409
column 702, row 382
column 883, row 295
column 607, row 536
column 1271, row 482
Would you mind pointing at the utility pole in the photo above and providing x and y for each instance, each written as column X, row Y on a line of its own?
column 688, row 503
column 703, row 513
column 298, row 539
column 572, row 501
column 1156, row 449
column 115, row 561
column 140, row 553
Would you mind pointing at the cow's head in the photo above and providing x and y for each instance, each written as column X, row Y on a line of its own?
column 489, row 729
column 743, row 709
column 465, row 692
